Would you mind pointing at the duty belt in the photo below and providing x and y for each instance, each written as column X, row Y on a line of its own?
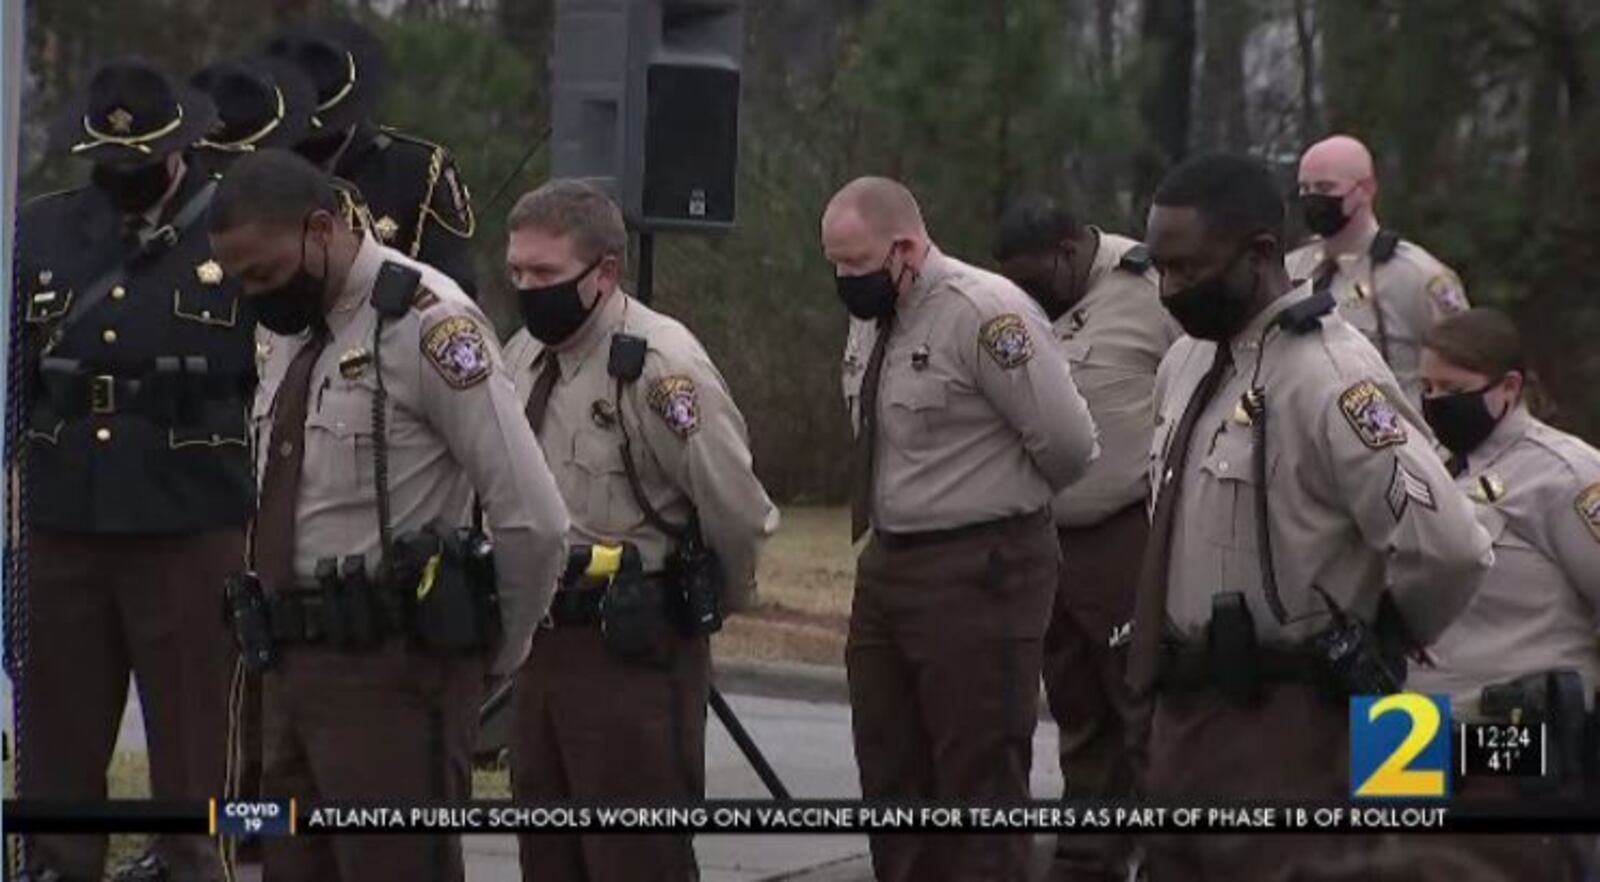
column 73, row 390
column 577, row 604
column 899, row 541
column 1191, row 667
column 301, row 617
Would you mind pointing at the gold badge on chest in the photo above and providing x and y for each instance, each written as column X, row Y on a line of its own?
column 1487, row 489
column 353, row 363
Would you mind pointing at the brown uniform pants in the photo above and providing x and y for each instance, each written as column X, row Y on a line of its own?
column 589, row 726
column 1293, row 744
column 98, row 607
column 1086, row 681
column 389, row 725
column 943, row 660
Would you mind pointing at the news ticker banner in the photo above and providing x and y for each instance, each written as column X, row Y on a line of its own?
column 296, row 818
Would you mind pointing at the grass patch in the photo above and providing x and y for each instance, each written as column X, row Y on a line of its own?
column 807, row 578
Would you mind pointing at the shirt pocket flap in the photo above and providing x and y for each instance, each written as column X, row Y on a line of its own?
column 207, row 305
column 341, row 413
column 918, row 394
column 1076, row 350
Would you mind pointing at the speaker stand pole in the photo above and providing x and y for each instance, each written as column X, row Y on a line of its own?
column 647, row 267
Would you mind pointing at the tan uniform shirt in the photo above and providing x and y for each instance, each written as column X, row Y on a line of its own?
column 1412, row 289
column 688, row 441
column 454, row 426
column 1358, row 499
column 1114, row 339
column 1537, row 491
column 978, row 416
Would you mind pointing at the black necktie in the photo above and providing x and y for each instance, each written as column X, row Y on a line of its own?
column 539, row 399
column 1150, row 603
column 866, row 436
column 274, row 544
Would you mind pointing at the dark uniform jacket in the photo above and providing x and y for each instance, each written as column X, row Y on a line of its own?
column 419, row 205
column 128, row 432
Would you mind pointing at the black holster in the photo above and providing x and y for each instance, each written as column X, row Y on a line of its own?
column 1555, row 699
column 444, row 577
column 637, row 622
column 696, row 579
column 246, row 605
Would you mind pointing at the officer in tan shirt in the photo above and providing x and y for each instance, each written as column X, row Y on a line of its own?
column 968, row 424
column 612, row 725
column 346, row 718
column 1529, row 639
column 1099, row 290
column 1244, row 704
column 1389, row 288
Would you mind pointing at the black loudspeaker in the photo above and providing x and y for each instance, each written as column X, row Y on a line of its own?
column 691, row 138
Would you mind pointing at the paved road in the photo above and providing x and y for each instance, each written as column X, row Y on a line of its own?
column 807, row 742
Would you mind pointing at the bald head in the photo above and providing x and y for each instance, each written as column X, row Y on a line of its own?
column 870, row 223
column 1338, row 191
column 1340, row 157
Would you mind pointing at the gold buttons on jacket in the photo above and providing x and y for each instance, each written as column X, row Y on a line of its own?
column 118, row 292
column 110, row 336
column 102, row 435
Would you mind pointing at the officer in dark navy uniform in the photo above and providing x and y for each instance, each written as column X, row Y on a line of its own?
column 136, row 467
column 419, row 204
column 263, row 102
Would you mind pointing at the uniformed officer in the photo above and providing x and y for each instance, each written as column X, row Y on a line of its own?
column 1099, row 291
column 646, row 444
column 968, row 423
column 354, row 333
column 420, row 205
column 138, row 474
column 262, row 102
column 1389, row 288
column 1274, row 405
column 1525, row 649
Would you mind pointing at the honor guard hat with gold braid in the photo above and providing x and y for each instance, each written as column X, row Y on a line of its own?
column 130, row 114
column 261, row 102
column 345, row 63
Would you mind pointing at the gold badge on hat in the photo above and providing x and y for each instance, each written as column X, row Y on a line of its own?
column 121, row 121
column 386, row 227
column 353, row 363
column 209, row 273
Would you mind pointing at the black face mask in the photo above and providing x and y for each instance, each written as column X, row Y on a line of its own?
column 1324, row 214
column 869, row 296
column 554, row 313
column 1043, row 290
column 1461, row 420
column 319, row 149
column 296, row 304
column 1212, row 309
column 134, row 190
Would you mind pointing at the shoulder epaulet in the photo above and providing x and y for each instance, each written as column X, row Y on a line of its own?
column 1306, row 316
column 53, row 194
column 408, row 138
column 1136, row 260
column 1383, row 245
column 397, row 287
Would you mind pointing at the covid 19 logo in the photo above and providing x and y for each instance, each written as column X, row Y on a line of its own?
column 1400, row 746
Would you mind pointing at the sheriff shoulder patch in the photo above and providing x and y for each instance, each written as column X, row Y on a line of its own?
column 457, row 350
column 674, row 400
column 1005, row 338
column 1370, row 414
column 1589, row 509
column 1446, row 291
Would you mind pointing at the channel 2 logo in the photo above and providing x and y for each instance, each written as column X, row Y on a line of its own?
column 1400, row 746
